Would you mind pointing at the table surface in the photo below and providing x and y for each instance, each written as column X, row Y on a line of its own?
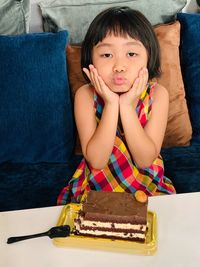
column 178, row 238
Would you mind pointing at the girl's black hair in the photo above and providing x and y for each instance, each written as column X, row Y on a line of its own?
column 122, row 21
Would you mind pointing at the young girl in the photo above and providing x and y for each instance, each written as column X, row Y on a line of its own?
column 121, row 116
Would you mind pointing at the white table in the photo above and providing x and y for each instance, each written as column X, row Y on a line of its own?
column 178, row 238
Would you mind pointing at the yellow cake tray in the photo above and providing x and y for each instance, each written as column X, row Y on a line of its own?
column 69, row 213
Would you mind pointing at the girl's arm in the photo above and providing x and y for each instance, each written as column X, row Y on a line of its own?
column 96, row 140
column 145, row 143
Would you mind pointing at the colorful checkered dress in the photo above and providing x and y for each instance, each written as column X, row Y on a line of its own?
column 121, row 173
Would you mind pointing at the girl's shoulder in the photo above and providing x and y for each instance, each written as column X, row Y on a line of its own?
column 159, row 91
column 84, row 102
column 86, row 91
column 84, row 94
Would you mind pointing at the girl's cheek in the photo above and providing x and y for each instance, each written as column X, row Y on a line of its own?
column 102, row 73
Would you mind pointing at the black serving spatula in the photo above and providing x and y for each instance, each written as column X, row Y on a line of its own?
column 57, row 231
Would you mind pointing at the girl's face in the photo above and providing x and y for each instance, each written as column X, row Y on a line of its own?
column 118, row 61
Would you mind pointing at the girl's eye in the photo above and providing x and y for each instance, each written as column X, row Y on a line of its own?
column 106, row 55
column 132, row 54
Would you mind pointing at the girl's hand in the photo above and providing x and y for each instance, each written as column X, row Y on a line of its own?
column 132, row 96
column 100, row 86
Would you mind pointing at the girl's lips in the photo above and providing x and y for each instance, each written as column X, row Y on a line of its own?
column 119, row 80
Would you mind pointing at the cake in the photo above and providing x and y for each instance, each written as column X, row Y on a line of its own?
column 113, row 215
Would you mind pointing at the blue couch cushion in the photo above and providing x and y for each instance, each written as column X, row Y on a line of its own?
column 35, row 107
column 25, row 186
column 190, row 63
column 182, row 167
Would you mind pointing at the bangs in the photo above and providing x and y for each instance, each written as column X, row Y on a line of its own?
column 118, row 26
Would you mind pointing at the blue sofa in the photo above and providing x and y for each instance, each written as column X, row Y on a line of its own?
column 37, row 136
column 37, row 133
column 182, row 163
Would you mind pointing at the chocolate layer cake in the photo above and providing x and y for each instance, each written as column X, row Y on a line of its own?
column 113, row 215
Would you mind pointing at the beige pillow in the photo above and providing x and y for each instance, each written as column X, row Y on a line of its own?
column 76, row 79
column 179, row 130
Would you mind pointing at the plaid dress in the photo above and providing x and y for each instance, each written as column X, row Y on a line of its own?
column 121, row 173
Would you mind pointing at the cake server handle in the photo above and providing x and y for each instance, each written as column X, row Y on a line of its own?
column 57, row 231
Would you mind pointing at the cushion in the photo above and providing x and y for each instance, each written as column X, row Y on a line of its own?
column 35, row 105
column 179, row 131
column 65, row 14
column 25, row 186
column 190, row 62
column 76, row 79
column 182, row 167
column 14, row 16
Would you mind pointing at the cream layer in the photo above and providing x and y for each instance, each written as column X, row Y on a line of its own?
column 96, row 232
column 124, row 226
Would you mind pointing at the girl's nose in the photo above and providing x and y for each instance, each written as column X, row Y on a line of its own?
column 119, row 68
